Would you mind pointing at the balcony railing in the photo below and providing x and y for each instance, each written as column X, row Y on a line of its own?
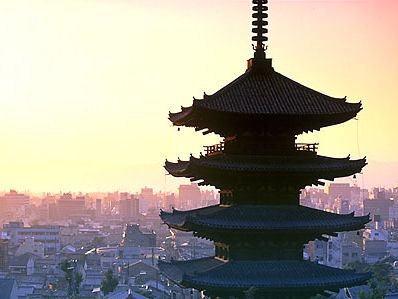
column 212, row 149
column 220, row 147
column 307, row 147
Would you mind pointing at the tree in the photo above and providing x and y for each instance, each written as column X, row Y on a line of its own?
column 98, row 242
column 78, row 281
column 383, row 278
column 109, row 283
column 66, row 267
column 72, row 277
column 377, row 292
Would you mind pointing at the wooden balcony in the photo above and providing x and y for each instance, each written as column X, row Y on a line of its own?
column 220, row 147
column 214, row 149
column 307, row 147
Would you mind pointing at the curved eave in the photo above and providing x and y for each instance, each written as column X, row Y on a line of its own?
column 339, row 225
column 272, row 276
column 193, row 115
column 175, row 270
column 181, row 118
column 265, row 98
column 178, row 169
column 177, row 219
column 262, row 219
column 225, row 123
column 321, row 167
column 174, row 221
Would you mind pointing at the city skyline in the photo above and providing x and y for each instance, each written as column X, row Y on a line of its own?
column 85, row 87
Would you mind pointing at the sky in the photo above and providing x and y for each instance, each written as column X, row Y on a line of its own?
column 86, row 85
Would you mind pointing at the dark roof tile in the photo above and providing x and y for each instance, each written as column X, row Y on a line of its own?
column 264, row 218
column 324, row 167
column 265, row 95
column 273, row 93
column 264, row 275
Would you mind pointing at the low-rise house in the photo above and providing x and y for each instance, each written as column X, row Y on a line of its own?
column 142, row 272
column 93, row 279
column 26, row 281
column 124, row 293
column 23, row 264
column 29, row 245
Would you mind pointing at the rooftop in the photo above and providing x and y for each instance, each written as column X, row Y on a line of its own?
column 279, row 275
column 6, row 287
column 267, row 98
column 263, row 218
column 318, row 167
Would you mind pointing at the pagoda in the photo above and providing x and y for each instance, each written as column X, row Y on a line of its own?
column 259, row 228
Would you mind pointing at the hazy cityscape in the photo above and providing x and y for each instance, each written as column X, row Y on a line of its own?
column 122, row 231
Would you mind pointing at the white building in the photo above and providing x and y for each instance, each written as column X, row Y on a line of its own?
column 48, row 235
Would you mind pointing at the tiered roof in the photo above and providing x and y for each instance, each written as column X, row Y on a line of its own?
column 208, row 168
column 282, row 276
column 263, row 219
column 266, row 100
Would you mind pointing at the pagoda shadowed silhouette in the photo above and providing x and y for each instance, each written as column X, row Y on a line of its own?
column 259, row 228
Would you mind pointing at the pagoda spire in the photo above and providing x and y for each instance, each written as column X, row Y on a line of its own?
column 259, row 62
column 259, row 27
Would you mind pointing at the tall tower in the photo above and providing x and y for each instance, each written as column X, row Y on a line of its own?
column 259, row 228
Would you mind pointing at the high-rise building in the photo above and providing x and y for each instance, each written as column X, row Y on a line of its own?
column 13, row 205
column 259, row 229
column 98, row 207
column 335, row 190
column 13, row 198
column 379, row 207
column 124, row 195
column 344, row 206
column 148, row 199
column 53, row 211
column 71, row 208
column 129, row 208
column 169, row 201
column 189, row 196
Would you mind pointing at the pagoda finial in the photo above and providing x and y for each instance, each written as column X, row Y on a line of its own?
column 259, row 14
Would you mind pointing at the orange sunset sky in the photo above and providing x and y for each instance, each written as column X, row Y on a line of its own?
column 86, row 85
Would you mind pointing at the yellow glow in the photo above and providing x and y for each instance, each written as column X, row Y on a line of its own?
column 86, row 86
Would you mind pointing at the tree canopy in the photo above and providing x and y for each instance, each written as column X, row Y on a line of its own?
column 109, row 283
